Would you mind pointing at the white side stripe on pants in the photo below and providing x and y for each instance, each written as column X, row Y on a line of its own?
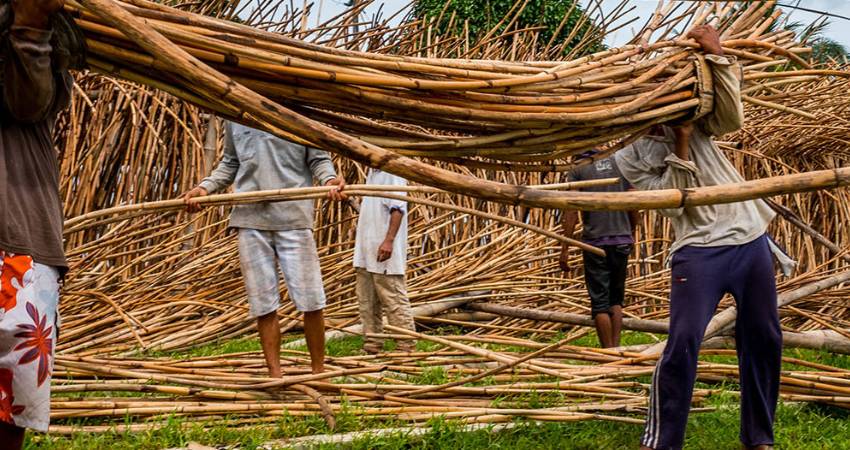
column 653, row 432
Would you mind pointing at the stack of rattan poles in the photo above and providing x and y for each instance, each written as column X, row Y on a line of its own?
column 160, row 282
column 477, row 113
column 534, row 381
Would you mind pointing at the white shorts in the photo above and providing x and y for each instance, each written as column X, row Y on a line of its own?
column 29, row 319
column 260, row 253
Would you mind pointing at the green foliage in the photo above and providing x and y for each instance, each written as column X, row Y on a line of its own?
column 484, row 15
column 825, row 50
column 347, row 346
column 817, row 356
column 432, row 375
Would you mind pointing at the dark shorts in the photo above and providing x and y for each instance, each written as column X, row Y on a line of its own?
column 605, row 277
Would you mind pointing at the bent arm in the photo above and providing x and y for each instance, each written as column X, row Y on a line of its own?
column 672, row 173
column 225, row 173
column 29, row 87
column 395, row 224
column 321, row 165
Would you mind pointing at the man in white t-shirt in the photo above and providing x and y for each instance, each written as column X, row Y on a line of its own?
column 380, row 259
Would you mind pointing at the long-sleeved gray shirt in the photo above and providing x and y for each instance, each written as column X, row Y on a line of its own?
column 650, row 163
column 256, row 161
column 34, row 92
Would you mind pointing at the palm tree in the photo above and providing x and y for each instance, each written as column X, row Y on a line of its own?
column 826, row 50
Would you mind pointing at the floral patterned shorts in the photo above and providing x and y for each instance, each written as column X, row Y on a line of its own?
column 29, row 318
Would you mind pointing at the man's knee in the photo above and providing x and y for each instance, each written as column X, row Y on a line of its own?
column 315, row 314
column 267, row 316
column 685, row 342
column 767, row 338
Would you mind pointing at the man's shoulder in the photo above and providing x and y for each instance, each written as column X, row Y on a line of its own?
column 597, row 169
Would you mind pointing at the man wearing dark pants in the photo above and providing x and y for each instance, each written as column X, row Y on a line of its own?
column 718, row 249
column 612, row 231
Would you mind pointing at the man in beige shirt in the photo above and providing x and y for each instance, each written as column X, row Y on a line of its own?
column 718, row 249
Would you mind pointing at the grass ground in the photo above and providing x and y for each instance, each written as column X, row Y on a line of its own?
column 799, row 426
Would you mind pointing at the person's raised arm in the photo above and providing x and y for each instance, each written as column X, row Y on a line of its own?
column 30, row 86
column 727, row 114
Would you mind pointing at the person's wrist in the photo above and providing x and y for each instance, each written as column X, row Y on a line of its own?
column 714, row 49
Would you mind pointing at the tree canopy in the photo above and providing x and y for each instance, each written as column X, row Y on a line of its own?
column 484, row 15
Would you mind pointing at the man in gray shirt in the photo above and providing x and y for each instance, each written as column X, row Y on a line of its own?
column 272, row 234
column 612, row 231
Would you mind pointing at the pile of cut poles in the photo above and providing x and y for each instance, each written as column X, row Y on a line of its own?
column 146, row 280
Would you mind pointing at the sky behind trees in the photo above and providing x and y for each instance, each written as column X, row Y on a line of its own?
column 838, row 30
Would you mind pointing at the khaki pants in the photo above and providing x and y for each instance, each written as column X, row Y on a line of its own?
column 379, row 294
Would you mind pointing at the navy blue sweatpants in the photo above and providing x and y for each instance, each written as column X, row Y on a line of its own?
column 700, row 278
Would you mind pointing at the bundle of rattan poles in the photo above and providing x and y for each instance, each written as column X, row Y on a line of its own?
column 476, row 113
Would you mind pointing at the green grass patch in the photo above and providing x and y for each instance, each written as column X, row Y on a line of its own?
column 626, row 338
column 798, row 426
column 431, row 375
column 347, row 346
column 216, row 348
column 817, row 356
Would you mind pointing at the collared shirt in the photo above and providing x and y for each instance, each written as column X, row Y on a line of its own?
column 257, row 161
column 650, row 163
column 372, row 226
column 33, row 93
